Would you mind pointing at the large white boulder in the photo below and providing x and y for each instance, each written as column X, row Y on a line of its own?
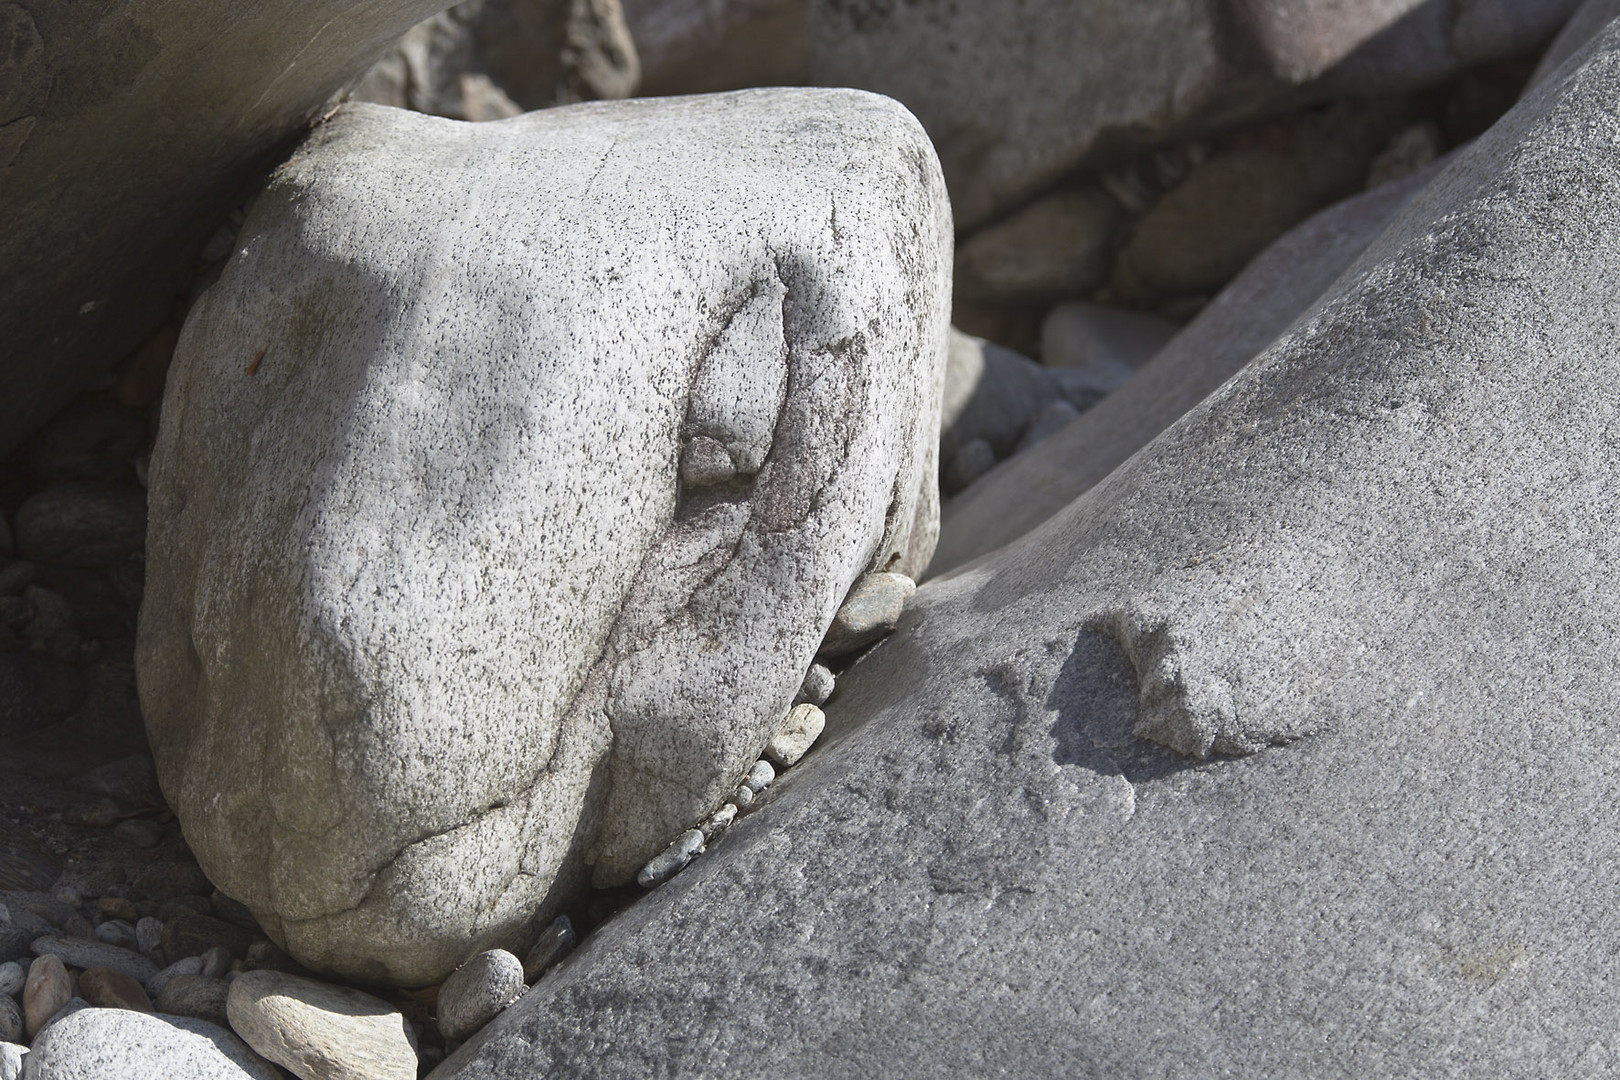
column 509, row 477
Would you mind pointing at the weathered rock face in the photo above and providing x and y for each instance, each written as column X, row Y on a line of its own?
column 1017, row 95
column 1380, row 557
column 492, row 59
column 126, row 132
column 1236, row 326
column 493, row 534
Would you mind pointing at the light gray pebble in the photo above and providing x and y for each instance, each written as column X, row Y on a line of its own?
column 660, row 868
column 477, row 991
column 140, row 832
column 717, row 822
column 12, row 977
column 216, row 962
column 759, row 777
column 148, row 935
column 556, row 942
column 799, row 733
column 86, row 954
column 11, row 1021
column 116, row 932
column 11, row 1060
column 191, row 965
column 742, row 798
column 869, row 612
column 817, row 687
column 84, row 1043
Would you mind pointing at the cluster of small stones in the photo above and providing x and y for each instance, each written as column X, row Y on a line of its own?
column 868, row 613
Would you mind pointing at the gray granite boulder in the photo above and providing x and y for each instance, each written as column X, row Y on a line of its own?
column 1234, row 328
column 1378, row 567
column 127, row 131
column 141, row 1046
column 487, row 629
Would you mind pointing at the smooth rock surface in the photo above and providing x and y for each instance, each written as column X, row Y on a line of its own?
column 197, row 996
column 127, row 131
column 817, row 686
column 1379, row 558
column 106, row 988
column 1234, row 328
column 1058, row 246
column 48, row 988
column 676, row 857
column 795, row 311
column 142, row 1046
column 1587, row 21
column 1082, row 335
column 477, row 991
column 319, row 1031
column 868, row 613
column 88, row 954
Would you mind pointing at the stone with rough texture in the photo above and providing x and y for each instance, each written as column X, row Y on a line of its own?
column 817, row 686
column 799, row 732
column 127, row 131
column 477, row 991
column 492, row 59
column 1239, row 323
column 12, row 1057
column 767, row 269
column 86, row 954
column 319, row 1031
column 1587, row 21
column 12, row 977
column 142, row 1046
column 1380, row 558
column 868, row 613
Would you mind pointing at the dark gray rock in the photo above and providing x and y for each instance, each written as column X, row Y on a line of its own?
column 14, row 943
column 1377, row 567
column 190, row 965
column 11, row 1020
column 1246, row 317
column 1587, row 21
column 83, row 523
column 170, row 1048
column 673, row 859
column 556, row 942
column 84, row 954
column 126, row 134
column 477, row 991
column 132, row 780
column 35, row 692
column 817, row 686
column 12, row 978
column 199, row 996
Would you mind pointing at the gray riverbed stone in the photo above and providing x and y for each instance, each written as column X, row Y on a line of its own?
column 85, row 954
column 198, row 996
column 817, row 686
column 12, row 977
column 11, row 1060
column 1234, row 328
column 675, row 858
column 1378, row 560
column 320, row 1031
column 48, row 988
column 699, row 46
column 1056, row 247
column 190, row 965
column 477, row 991
column 1108, row 340
column 11, row 1020
column 142, row 1046
column 800, row 730
column 812, row 241
column 554, row 943
column 126, row 134
column 869, row 612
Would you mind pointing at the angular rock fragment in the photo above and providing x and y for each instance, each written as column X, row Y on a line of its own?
column 472, row 640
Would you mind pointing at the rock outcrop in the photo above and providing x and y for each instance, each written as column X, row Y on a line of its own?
column 1377, row 566
column 509, row 478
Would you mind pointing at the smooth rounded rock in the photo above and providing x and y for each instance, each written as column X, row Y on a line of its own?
column 556, row 942
column 320, row 1031
column 760, row 776
column 110, row 989
column 48, row 989
column 116, row 932
column 142, row 1046
column 197, row 996
column 191, row 965
column 672, row 860
column 817, row 686
column 148, row 935
column 477, row 991
column 12, row 977
column 88, row 954
column 799, row 732
column 12, row 1057
column 11, row 1019
column 869, row 612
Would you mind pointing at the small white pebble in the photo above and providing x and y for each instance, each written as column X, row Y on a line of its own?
column 717, row 822
column 759, row 777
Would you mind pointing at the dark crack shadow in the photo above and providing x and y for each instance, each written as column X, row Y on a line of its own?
column 1096, row 696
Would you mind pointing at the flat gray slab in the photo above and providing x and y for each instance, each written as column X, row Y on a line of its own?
column 1380, row 561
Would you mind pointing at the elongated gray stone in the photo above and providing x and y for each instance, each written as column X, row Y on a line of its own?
column 765, row 269
column 141, row 1046
column 87, row 954
column 319, row 1031
column 673, row 859
column 1381, row 558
